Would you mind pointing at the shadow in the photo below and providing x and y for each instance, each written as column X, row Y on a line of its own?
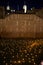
column 39, row 13
column 39, row 58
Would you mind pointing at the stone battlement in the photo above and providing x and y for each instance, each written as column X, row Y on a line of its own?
column 21, row 25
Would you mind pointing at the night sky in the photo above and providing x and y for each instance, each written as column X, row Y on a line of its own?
column 19, row 3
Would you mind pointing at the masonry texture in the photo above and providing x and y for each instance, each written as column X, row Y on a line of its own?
column 21, row 25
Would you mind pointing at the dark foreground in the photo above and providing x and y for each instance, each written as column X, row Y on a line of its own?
column 21, row 51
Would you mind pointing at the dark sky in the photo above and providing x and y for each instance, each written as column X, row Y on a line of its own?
column 19, row 3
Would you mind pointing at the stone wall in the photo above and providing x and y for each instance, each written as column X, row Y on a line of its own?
column 21, row 25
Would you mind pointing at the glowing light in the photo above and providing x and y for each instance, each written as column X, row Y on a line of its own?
column 15, row 62
column 25, row 8
column 41, row 62
column 31, row 8
column 34, row 63
column 19, row 61
column 12, row 10
column 8, row 7
column 29, row 61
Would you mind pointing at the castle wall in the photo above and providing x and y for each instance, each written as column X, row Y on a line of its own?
column 21, row 25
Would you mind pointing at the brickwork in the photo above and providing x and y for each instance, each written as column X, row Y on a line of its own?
column 21, row 25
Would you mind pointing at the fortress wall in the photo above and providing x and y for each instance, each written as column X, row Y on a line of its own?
column 21, row 25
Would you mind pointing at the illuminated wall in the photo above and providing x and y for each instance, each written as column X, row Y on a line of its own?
column 21, row 25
